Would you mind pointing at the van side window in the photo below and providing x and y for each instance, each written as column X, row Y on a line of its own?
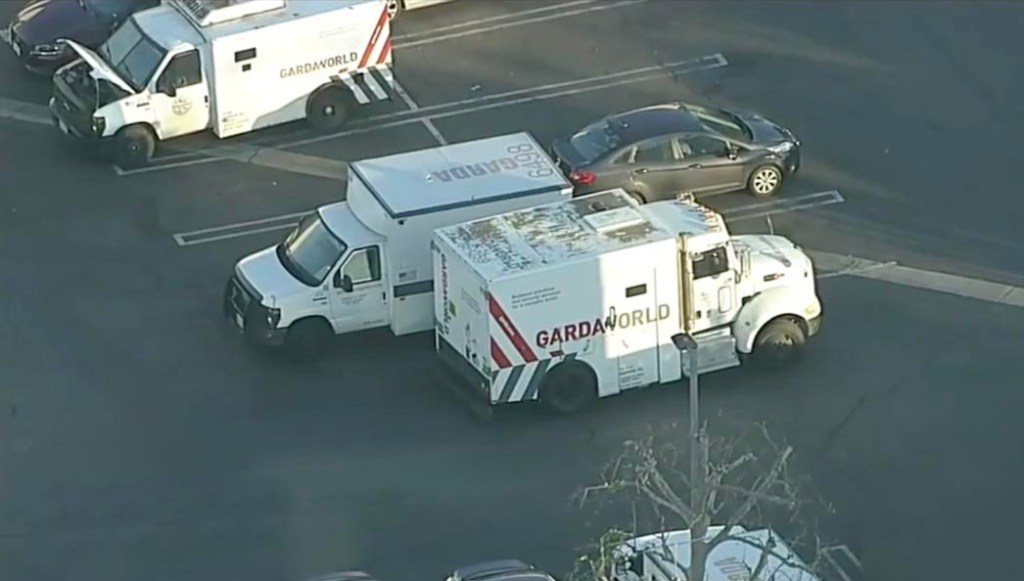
column 710, row 263
column 183, row 71
column 364, row 265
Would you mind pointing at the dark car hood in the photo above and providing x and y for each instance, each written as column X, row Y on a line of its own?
column 44, row 21
column 765, row 132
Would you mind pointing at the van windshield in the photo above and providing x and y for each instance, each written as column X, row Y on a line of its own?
column 133, row 55
column 311, row 251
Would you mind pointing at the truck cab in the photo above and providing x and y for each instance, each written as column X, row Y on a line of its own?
column 146, row 83
column 365, row 263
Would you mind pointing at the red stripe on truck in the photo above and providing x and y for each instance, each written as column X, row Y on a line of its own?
column 385, row 53
column 510, row 330
column 374, row 38
column 499, row 356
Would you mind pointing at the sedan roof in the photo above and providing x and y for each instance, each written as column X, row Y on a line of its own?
column 648, row 122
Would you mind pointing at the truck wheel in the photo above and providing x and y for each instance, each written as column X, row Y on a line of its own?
column 328, row 109
column 308, row 339
column 779, row 343
column 569, row 387
column 394, row 9
column 133, row 147
column 765, row 181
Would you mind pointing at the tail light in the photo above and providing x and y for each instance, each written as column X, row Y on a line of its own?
column 582, row 178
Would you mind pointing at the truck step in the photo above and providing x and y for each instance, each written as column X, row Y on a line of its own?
column 716, row 350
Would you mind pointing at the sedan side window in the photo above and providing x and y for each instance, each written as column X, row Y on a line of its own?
column 655, row 151
column 707, row 145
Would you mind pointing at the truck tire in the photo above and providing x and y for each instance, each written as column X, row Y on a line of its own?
column 779, row 343
column 765, row 181
column 328, row 109
column 308, row 339
column 568, row 387
column 395, row 8
column 133, row 146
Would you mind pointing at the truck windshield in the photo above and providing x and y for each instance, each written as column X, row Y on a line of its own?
column 311, row 250
column 133, row 55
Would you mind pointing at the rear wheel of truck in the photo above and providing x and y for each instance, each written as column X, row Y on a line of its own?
column 308, row 339
column 779, row 343
column 569, row 387
column 133, row 147
column 328, row 109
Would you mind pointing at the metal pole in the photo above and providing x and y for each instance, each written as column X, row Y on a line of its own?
column 696, row 453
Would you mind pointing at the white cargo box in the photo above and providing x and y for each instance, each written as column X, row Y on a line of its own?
column 405, row 197
column 593, row 278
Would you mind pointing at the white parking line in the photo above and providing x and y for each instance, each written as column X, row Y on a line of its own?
column 477, row 29
column 399, row 39
column 784, row 206
column 467, row 106
column 414, row 107
column 25, row 112
column 286, row 221
column 891, row 272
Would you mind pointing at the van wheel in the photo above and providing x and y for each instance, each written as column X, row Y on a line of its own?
column 308, row 339
column 133, row 147
column 328, row 109
column 569, row 387
column 779, row 343
column 765, row 181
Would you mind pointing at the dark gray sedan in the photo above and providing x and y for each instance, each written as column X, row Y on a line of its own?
column 660, row 151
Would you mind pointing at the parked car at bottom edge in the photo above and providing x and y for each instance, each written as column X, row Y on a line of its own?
column 33, row 34
column 663, row 150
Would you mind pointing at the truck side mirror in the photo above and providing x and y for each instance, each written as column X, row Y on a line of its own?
column 344, row 282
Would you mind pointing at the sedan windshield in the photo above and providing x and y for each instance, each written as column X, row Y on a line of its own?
column 109, row 9
column 595, row 140
column 722, row 123
column 134, row 56
column 311, row 250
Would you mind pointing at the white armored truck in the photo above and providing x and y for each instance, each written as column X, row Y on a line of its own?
column 580, row 299
column 366, row 263
column 232, row 66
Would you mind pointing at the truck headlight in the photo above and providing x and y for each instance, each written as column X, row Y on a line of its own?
column 273, row 317
column 99, row 124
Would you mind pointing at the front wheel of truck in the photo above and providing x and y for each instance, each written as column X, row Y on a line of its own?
column 308, row 339
column 133, row 147
column 780, row 343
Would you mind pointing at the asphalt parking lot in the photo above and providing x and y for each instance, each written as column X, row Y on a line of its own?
column 139, row 439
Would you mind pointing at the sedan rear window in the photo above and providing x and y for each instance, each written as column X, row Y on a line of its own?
column 595, row 140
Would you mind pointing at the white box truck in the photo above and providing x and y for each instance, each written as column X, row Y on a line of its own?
column 366, row 263
column 580, row 299
column 232, row 66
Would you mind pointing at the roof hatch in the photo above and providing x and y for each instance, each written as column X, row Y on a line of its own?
column 209, row 12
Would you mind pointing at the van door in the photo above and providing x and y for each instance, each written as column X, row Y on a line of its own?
column 635, row 338
column 714, row 289
column 359, row 297
column 181, row 97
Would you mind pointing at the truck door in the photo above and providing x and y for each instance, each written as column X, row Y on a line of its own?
column 635, row 339
column 714, row 289
column 180, row 97
column 359, row 297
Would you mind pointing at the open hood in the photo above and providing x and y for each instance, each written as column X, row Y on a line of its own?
column 100, row 69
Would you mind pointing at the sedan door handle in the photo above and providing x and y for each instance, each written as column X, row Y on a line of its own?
column 694, row 166
column 642, row 170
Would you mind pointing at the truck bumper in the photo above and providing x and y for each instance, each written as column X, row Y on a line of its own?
column 256, row 331
column 814, row 326
column 464, row 381
column 66, row 125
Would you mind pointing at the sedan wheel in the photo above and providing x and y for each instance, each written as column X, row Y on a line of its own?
column 765, row 181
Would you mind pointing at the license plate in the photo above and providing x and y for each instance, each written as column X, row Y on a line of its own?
column 239, row 321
